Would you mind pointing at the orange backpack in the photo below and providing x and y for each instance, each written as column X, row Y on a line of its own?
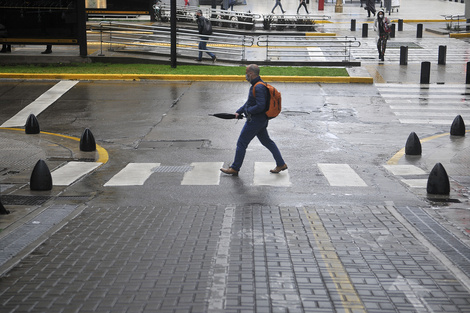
column 273, row 102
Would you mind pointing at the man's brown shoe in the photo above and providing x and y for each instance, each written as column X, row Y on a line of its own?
column 278, row 169
column 229, row 171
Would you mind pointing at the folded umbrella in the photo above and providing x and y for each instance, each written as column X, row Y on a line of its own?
column 226, row 116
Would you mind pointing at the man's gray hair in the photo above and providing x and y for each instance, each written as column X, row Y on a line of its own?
column 253, row 68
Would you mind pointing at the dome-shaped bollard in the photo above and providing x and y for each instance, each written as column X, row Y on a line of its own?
column 32, row 125
column 3, row 211
column 458, row 127
column 413, row 145
column 438, row 181
column 87, row 142
column 41, row 178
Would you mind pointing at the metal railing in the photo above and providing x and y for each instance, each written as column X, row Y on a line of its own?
column 455, row 18
column 294, row 47
column 128, row 37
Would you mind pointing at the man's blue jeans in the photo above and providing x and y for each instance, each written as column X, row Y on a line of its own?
column 203, row 46
column 249, row 131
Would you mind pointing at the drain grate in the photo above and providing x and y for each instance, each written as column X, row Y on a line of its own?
column 172, row 169
column 24, row 200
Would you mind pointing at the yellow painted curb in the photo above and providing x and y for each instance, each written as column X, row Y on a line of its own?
column 103, row 156
column 170, row 77
column 460, row 35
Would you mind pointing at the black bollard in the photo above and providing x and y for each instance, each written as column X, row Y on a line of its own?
column 467, row 80
column 87, row 142
column 400, row 25
column 419, row 31
column 392, row 31
column 425, row 72
column 441, row 60
column 413, row 145
column 438, row 181
column 32, row 125
column 365, row 30
column 404, row 55
column 458, row 126
column 3, row 211
column 41, row 178
column 353, row 25
column 468, row 25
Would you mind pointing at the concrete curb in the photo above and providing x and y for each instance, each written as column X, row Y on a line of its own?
column 170, row 77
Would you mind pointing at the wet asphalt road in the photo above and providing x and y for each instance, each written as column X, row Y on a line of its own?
column 235, row 246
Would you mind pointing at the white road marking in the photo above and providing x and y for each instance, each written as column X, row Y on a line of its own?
column 220, row 264
column 203, row 173
column 40, row 104
column 403, row 170
column 263, row 177
column 71, row 172
column 341, row 175
column 416, row 183
column 134, row 174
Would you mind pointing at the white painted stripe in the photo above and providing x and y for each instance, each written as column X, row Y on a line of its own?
column 40, row 104
column 416, row 183
column 426, row 121
column 315, row 54
column 134, row 174
column 71, row 172
column 404, row 86
column 203, row 173
column 341, row 175
column 263, row 177
column 404, row 170
column 429, row 114
column 408, row 108
column 220, row 265
column 425, row 96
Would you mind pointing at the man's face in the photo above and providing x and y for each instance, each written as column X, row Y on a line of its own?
column 249, row 73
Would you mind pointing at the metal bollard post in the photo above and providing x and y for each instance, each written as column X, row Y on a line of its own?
column 353, row 25
column 425, row 72
column 419, row 31
column 441, row 60
column 404, row 55
column 467, row 80
column 468, row 25
column 392, row 31
column 400, row 25
column 365, row 30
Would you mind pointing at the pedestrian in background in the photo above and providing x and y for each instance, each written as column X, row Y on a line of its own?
column 186, row 3
column 231, row 3
column 205, row 28
column 302, row 3
column 256, row 124
column 370, row 7
column 382, row 26
column 278, row 3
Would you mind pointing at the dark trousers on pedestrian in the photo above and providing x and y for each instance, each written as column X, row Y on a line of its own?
column 278, row 3
column 304, row 5
column 252, row 129
column 203, row 46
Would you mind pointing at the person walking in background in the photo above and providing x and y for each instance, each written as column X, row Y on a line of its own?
column 302, row 3
column 48, row 50
column 256, row 124
column 186, row 3
column 382, row 26
column 205, row 28
column 278, row 3
column 231, row 3
column 370, row 7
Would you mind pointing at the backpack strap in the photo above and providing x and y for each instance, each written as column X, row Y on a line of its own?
column 254, row 87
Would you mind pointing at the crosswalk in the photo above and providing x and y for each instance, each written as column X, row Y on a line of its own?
column 203, row 174
column 427, row 104
column 418, row 50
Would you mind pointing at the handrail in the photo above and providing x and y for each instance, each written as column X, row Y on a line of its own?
column 157, row 39
column 282, row 46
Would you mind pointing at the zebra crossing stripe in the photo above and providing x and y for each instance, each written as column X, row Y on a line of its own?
column 71, row 172
column 134, row 174
column 203, row 174
column 41, row 103
column 341, row 175
column 263, row 177
column 403, row 170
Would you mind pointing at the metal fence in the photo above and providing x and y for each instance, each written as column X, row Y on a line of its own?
column 301, row 47
column 128, row 37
